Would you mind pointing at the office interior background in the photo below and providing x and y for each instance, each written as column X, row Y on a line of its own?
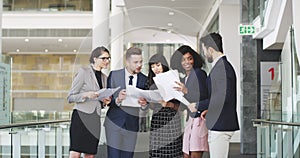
column 43, row 42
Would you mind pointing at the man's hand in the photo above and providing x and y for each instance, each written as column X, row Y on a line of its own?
column 121, row 96
column 142, row 102
column 203, row 114
column 192, row 107
column 106, row 101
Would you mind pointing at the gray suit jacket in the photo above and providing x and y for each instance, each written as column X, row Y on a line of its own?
column 83, row 82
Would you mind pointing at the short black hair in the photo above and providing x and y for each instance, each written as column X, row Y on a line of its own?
column 156, row 58
column 213, row 40
column 177, row 58
column 133, row 51
column 97, row 52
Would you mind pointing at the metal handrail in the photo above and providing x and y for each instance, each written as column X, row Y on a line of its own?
column 32, row 123
column 275, row 122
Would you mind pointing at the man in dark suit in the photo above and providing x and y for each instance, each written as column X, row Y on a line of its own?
column 122, row 118
column 219, row 109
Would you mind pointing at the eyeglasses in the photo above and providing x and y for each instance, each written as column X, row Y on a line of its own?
column 104, row 58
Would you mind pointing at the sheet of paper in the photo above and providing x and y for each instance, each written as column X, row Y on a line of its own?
column 152, row 96
column 106, row 92
column 165, row 83
column 130, row 100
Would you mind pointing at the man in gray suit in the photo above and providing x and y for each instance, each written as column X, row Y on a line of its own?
column 122, row 120
column 221, row 116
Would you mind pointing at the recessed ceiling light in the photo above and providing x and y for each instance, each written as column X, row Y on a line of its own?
column 169, row 31
column 26, row 40
column 59, row 40
column 172, row 0
column 46, row 50
column 170, row 24
column 18, row 50
column 74, row 50
column 171, row 13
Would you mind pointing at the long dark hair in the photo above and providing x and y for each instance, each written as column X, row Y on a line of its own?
column 178, row 54
column 156, row 58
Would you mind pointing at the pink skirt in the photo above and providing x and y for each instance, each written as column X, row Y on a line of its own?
column 195, row 136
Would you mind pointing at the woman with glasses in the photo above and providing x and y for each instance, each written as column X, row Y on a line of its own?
column 85, row 121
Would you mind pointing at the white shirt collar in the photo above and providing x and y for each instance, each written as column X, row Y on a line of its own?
column 134, row 80
column 216, row 60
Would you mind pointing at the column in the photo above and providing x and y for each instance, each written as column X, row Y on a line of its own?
column 100, row 23
column 250, row 82
column 117, row 34
column 229, row 19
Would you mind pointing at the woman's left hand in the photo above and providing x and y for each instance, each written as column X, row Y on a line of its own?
column 181, row 87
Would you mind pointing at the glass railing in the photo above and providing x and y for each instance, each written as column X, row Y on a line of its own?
column 278, row 135
column 36, row 116
column 35, row 139
column 276, row 139
column 47, row 5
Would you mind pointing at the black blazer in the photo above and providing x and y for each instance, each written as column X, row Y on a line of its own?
column 222, row 99
column 122, row 116
column 197, row 88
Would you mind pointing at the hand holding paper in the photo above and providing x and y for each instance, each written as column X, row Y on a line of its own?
column 166, row 82
column 106, row 92
column 150, row 95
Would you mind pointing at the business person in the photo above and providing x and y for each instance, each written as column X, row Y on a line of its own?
column 193, row 85
column 165, row 130
column 221, row 116
column 122, row 120
column 85, row 121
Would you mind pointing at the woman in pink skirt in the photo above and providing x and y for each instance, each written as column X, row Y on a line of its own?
column 193, row 84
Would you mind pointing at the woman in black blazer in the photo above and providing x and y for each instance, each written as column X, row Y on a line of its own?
column 193, row 84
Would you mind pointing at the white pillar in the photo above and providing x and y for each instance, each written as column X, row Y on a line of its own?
column 229, row 19
column 117, row 34
column 100, row 23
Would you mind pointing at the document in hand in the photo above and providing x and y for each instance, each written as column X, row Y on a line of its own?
column 106, row 92
column 131, row 98
column 152, row 96
column 165, row 83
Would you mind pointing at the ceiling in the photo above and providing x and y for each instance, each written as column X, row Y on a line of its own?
column 179, row 16
column 183, row 17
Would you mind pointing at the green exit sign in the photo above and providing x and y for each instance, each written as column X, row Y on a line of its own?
column 246, row 29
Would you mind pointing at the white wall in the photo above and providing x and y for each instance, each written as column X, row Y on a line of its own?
column 296, row 23
column 229, row 19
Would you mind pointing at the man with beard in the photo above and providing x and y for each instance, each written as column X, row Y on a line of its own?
column 122, row 120
column 219, row 109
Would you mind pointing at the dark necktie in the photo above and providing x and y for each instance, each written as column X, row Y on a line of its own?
column 130, row 80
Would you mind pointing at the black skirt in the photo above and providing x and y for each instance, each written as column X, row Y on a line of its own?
column 84, row 132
